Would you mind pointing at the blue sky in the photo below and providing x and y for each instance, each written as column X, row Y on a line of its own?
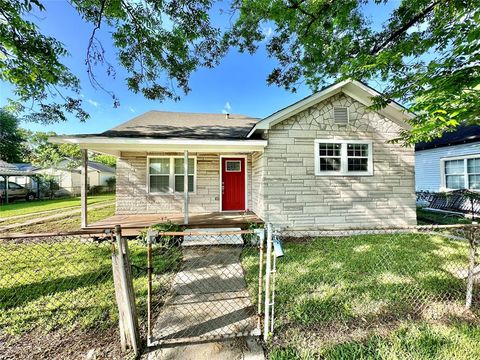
column 237, row 84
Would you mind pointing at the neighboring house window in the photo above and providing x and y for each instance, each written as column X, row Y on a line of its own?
column 165, row 174
column 343, row 157
column 461, row 173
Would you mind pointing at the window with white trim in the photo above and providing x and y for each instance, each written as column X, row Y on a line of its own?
column 462, row 173
column 166, row 175
column 343, row 157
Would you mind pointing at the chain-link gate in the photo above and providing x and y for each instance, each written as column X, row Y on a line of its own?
column 204, row 285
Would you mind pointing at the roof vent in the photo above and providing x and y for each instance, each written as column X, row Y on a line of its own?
column 340, row 115
column 227, row 116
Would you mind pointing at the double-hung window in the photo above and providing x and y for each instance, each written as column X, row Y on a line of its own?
column 166, row 175
column 461, row 173
column 343, row 157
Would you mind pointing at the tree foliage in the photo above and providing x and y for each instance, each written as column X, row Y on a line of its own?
column 427, row 53
column 41, row 152
column 105, row 159
column 31, row 62
column 10, row 138
column 159, row 43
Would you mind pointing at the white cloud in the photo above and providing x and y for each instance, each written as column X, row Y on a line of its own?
column 93, row 103
column 226, row 108
column 131, row 109
column 267, row 32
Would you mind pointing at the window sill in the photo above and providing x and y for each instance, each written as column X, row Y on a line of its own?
column 339, row 174
column 169, row 193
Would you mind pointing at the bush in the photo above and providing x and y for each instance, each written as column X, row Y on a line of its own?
column 111, row 183
column 167, row 240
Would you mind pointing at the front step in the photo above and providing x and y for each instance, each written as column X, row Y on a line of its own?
column 214, row 239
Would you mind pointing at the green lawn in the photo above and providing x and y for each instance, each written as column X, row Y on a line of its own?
column 22, row 208
column 371, row 297
column 70, row 223
column 60, row 286
column 426, row 217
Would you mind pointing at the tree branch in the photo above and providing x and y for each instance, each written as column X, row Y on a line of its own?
column 397, row 33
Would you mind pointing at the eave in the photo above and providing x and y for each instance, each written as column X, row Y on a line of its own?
column 116, row 145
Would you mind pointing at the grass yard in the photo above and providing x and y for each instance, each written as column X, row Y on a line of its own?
column 392, row 296
column 70, row 223
column 426, row 217
column 56, row 287
column 23, row 208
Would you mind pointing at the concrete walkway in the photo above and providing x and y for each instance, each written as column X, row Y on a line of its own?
column 235, row 349
column 208, row 297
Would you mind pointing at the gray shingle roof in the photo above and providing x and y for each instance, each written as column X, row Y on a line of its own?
column 101, row 167
column 165, row 124
column 462, row 135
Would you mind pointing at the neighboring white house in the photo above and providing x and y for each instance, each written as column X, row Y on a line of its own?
column 325, row 161
column 68, row 179
column 449, row 163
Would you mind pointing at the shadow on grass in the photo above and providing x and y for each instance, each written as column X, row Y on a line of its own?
column 351, row 284
column 55, row 285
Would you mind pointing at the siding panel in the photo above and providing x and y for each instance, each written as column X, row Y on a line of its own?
column 427, row 164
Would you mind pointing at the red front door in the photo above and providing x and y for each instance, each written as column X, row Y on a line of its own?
column 233, row 184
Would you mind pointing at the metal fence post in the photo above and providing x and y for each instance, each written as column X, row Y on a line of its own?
column 261, row 240
column 471, row 236
column 124, row 294
column 268, row 269
column 151, row 236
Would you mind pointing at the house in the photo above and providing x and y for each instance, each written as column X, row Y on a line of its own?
column 451, row 162
column 324, row 161
column 67, row 176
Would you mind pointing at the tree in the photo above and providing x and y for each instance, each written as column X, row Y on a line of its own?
column 427, row 52
column 10, row 138
column 105, row 159
column 158, row 55
column 41, row 152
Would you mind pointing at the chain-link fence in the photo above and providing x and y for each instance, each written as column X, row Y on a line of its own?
column 197, row 286
column 377, row 292
column 57, row 299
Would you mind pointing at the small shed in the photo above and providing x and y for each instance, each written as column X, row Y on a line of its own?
column 6, row 171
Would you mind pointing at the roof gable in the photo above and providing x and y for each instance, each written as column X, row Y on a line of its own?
column 355, row 89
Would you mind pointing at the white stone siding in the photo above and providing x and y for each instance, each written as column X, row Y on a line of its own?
column 257, row 184
column 132, row 189
column 296, row 198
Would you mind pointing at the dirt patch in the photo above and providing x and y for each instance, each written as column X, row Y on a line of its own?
column 62, row 345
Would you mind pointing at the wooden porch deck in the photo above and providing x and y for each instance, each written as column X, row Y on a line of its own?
column 133, row 224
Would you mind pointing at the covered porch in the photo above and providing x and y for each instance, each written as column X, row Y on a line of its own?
column 133, row 224
column 193, row 183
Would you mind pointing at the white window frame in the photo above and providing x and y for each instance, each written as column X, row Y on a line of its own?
column 171, row 179
column 466, row 179
column 343, row 158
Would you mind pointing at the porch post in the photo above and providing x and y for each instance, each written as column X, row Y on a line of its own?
column 6, row 189
column 83, row 187
column 185, row 187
